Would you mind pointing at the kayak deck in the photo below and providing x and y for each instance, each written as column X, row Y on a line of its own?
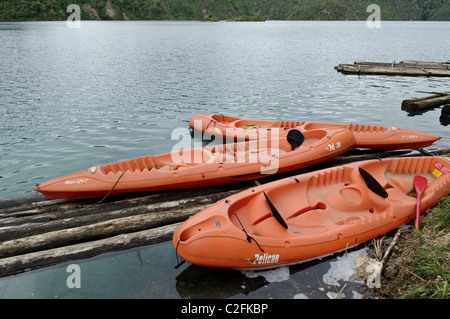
column 367, row 136
column 311, row 215
column 199, row 167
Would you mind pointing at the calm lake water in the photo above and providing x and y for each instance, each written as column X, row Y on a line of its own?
column 74, row 98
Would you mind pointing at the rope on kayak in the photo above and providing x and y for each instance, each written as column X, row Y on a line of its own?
column 212, row 120
column 179, row 263
column 37, row 193
column 118, row 179
column 249, row 238
column 215, row 122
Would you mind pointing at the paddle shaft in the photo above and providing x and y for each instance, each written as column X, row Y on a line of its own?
column 419, row 199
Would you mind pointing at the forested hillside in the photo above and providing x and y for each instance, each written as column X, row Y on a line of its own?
column 16, row 10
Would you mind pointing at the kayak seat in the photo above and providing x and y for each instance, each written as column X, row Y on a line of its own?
column 309, row 223
column 308, row 220
column 270, row 227
column 403, row 184
column 258, row 210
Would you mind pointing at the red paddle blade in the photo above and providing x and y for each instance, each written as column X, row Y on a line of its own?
column 420, row 183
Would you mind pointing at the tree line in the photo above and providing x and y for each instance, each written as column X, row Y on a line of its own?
column 29, row 10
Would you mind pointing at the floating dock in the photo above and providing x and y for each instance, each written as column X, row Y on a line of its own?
column 403, row 68
column 423, row 103
column 37, row 232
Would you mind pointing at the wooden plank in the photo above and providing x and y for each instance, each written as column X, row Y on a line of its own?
column 17, row 264
column 406, row 64
column 444, row 65
column 95, row 231
column 28, row 225
column 404, row 68
column 46, row 232
column 377, row 70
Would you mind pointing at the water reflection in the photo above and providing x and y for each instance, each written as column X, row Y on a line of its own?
column 445, row 115
column 150, row 273
column 304, row 280
column 202, row 282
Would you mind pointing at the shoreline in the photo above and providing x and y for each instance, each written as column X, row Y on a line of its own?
column 418, row 266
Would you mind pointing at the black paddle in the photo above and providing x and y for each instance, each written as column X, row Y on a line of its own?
column 275, row 212
column 372, row 183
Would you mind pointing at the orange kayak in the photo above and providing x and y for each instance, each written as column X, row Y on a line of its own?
column 367, row 136
column 199, row 167
column 310, row 215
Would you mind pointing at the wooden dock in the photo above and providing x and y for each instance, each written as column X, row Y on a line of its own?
column 37, row 232
column 403, row 68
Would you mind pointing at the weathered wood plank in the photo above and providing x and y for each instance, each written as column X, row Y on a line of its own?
column 104, row 229
column 375, row 70
column 426, row 63
column 404, row 68
column 17, row 264
column 427, row 102
column 407, row 64
column 90, row 214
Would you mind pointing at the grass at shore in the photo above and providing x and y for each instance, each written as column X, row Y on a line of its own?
column 419, row 266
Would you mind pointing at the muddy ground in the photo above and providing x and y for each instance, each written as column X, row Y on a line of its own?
column 400, row 276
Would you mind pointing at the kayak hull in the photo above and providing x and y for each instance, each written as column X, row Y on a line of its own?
column 367, row 136
column 325, row 211
column 200, row 167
